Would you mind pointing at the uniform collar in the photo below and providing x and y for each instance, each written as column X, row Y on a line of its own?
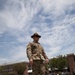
column 36, row 42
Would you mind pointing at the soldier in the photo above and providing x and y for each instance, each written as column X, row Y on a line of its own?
column 37, row 56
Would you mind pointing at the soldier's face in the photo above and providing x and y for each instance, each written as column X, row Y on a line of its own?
column 35, row 38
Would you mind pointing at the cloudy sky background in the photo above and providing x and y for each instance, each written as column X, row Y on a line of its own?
column 54, row 20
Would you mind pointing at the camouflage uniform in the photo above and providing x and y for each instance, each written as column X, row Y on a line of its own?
column 36, row 52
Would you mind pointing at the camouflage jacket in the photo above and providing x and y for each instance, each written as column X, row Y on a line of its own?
column 35, row 51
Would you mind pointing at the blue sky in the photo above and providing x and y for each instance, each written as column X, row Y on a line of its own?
column 54, row 20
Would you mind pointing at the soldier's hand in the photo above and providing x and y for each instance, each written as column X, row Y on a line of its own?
column 31, row 61
column 47, row 61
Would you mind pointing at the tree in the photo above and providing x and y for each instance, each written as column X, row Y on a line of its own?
column 20, row 68
column 60, row 62
column 0, row 69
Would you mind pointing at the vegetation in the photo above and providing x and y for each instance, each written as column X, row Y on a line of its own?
column 60, row 62
column 3, row 72
column 20, row 68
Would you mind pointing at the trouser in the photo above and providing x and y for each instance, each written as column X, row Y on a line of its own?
column 38, row 67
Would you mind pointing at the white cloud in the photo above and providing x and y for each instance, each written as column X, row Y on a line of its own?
column 23, row 18
column 60, row 35
column 17, row 54
column 16, row 15
column 3, row 60
column 56, row 7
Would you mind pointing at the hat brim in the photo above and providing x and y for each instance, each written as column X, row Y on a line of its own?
column 36, row 36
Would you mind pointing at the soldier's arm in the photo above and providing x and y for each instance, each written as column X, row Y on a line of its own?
column 44, row 54
column 29, row 52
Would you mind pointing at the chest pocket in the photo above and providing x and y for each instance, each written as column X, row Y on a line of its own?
column 34, row 49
